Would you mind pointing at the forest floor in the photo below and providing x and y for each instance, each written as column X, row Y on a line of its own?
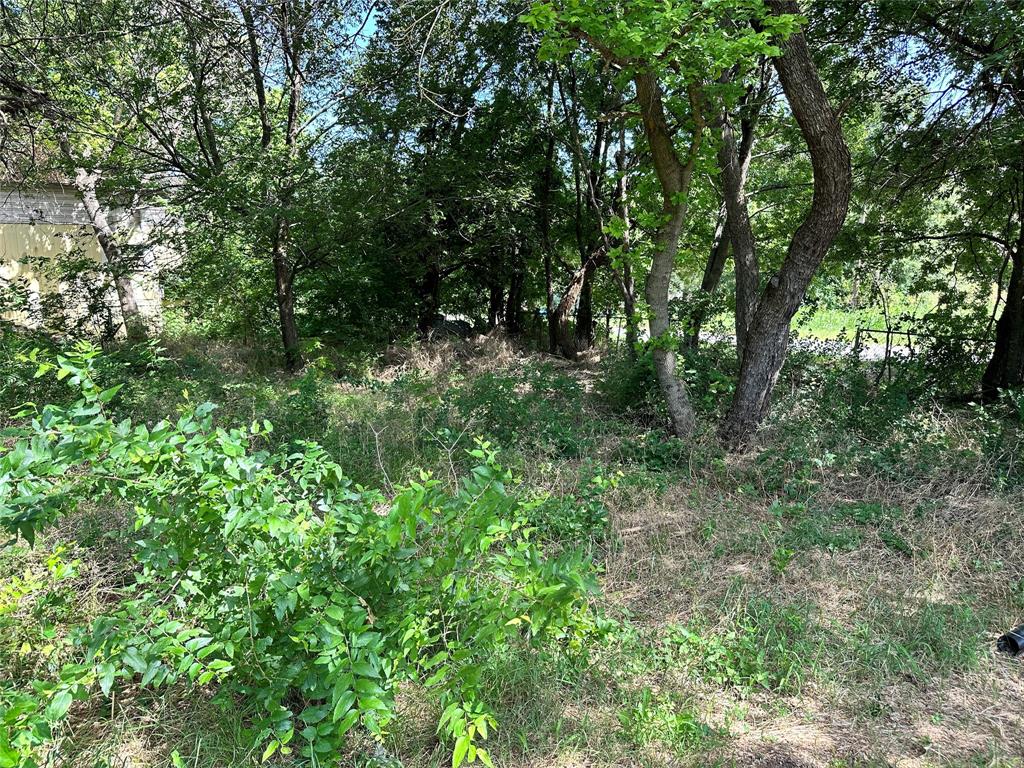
column 831, row 599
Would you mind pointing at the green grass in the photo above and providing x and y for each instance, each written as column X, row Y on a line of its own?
column 761, row 646
column 921, row 641
column 671, row 724
column 830, row 324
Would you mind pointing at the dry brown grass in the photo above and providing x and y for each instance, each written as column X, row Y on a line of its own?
column 663, row 571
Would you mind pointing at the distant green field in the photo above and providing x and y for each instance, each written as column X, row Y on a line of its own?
column 832, row 323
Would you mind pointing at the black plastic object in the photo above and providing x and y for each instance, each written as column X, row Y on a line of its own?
column 1012, row 642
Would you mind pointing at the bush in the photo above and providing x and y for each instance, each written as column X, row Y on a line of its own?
column 628, row 386
column 273, row 577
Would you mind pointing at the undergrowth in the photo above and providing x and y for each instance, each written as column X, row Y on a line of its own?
column 203, row 573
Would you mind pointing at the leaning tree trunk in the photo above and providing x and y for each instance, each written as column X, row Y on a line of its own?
column 134, row 323
column 1006, row 367
column 734, row 162
column 292, row 44
column 584, row 331
column 624, row 275
column 545, row 215
column 565, row 339
column 674, row 178
column 549, row 297
column 430, row 296
column 495, row 306
column 627, row 287
column 514, row 302
column 768, row 333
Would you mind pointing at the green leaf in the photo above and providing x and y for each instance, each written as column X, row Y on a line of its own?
column 365, row 669
column 106, row 677
column 109, row 394
column 134, row 659
column 345, row 702
column 461, row 748
column 272, row 747
column 346, row 725
column 59, row 705
column 336, row 613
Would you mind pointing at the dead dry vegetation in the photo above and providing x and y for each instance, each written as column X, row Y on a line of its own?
column 829, row 599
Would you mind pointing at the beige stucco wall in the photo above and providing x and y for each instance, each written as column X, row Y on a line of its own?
column 39, row 227
column 24, row 251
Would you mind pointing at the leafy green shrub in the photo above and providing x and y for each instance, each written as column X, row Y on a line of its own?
column 576, row 518
column 628, row 386
column 274, row 577
column 655, row 451
column 17, row 368
column 710, row 374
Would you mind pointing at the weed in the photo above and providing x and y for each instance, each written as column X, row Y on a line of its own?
column 657, row 719
column 781, row 558
column 764, row 646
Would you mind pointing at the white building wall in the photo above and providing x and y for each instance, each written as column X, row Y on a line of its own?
column 50, row 221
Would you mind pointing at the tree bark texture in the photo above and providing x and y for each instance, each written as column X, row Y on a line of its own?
column 712, row 277
column 733, row 162
column 1005, row 369
column 131, row 317
column 674, row 177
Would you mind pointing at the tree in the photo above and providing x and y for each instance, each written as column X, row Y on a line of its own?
column 968, row 143
column 768, row 332
column 682, row 49
column 239, row 103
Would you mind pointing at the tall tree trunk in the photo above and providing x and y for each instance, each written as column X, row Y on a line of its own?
column 675, row 178
column 627, row 286
column 768, row 333
column 709, row 282
column 734, row 166
column 134, row 323
column 284, row 293
column 291, row 38
column 734, row 163
column 565, row 339
column 430, row 296
column 516, row 284
column 544, row 212
column 624, row 275
column 549, row 292
column 1005, row 369
column 495, row 306
column 584, row 331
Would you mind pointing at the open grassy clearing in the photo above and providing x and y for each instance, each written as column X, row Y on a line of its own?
column 832, row 599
